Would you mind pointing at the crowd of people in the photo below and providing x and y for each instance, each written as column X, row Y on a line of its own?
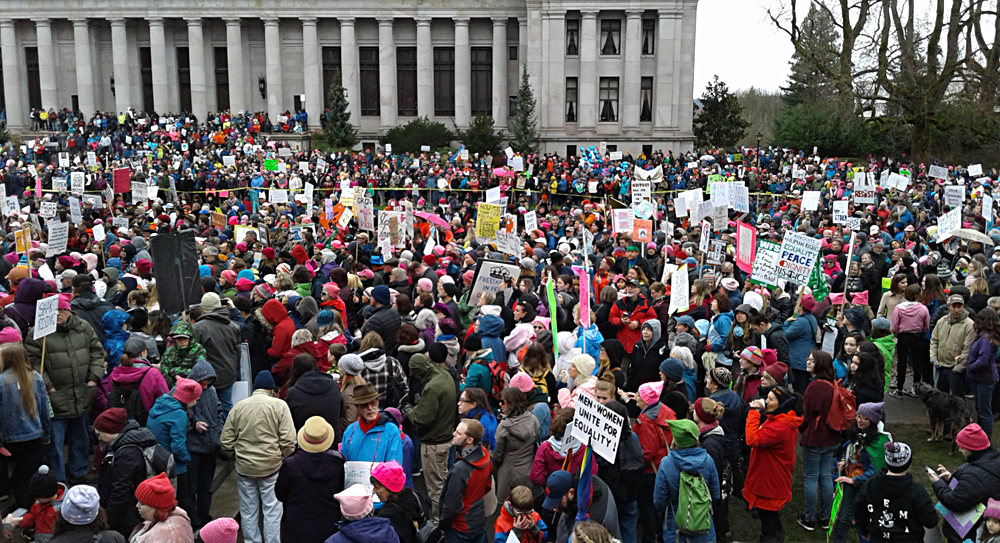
column 370, row 385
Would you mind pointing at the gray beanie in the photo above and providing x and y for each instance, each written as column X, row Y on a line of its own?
column 80, row 505
column 351, row 364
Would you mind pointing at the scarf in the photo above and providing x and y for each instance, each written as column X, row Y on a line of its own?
column 365, row 425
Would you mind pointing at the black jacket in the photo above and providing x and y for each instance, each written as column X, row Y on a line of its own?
column 978, row 479
column 83, row 534
column 91, row 308
column 645, row 366
column 122, row 469
column 403, row 512
column 603, row 510
column 385, row 321
column 315, row 394
column 777, row 340
column 305, row 486
column 878, row 522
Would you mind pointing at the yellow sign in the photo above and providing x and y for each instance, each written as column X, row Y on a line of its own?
column 488, row 221
column 22, row 239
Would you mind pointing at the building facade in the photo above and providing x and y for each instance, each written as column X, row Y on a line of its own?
column 618, row 71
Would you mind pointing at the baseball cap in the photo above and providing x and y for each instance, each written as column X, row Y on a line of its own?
column 556, row 486
column 956, row 299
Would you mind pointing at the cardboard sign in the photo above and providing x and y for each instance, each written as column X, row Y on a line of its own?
column 798, row 257
column 948, row 223
column 642, row 231
column 680, row 292
column 530, row 221
column 598, row 426
column 46, row 315
column 765, row 263
column 487, row 220
column 938, row 172
column 218, row 220
column 810, row 200
column 58, row 236
column 954, row 195
column 492, row 276
column 720, row 218
column 864, row 188
column 840, row 212
column 278, row 196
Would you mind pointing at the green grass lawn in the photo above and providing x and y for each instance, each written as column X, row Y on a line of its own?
column 747, row 529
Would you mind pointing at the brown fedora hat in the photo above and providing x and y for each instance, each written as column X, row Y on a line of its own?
column 364, row 394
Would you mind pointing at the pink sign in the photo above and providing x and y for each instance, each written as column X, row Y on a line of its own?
column 584, row 298
column 746, row 246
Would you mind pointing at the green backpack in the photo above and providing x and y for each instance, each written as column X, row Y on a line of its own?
column 694, row 505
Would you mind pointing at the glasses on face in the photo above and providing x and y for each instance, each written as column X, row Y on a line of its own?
column 463, row 400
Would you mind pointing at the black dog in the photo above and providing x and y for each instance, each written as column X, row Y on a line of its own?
column 942, row 407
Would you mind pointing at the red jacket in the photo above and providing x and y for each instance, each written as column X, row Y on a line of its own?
column 637, row 311
column 277, row 316
column 505, row 523
column 548, row 461
column 772, row 459
column 283, row 369
column 654, row 434
column 42, row 516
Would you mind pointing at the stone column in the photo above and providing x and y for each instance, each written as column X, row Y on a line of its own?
column 533, row 57
column 119, row 46
column 16, row 108
column 349, row 67
column 463, row 75
column 522, row 46
column 84, row 67
column 386, row 73
column 663, row 92
column 315, row 92
column 500, row 109
column 685, row 69
column 630, row 91
column 46, row 63
column 196, row 60
column 425, row 68
column 272, row 49
column 555, row 76
column 588, row 70
column 234, row 58
column 158, row 58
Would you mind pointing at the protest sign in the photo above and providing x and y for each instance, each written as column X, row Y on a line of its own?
column 492, row 276
column 642, row 231
column 948, row 223
column 46, row 316
column 622, row 220
column 616, row 155
column 988, row 210
column 643, row 209
column 840, row 212
column 229, row 160
column 219, row 220
column 59, row 184
column 366, row 213
column 12, row 207
column 954, row 195
column 741, row 197
column 270, row 165
column 493, row 195
column 854, row 223
column 358, row 473
column 488, row 220
column 121, row 178
column 596, row 425
column 680, row 207
column 22, row 240
column 309, row 194
column 58, row 236
column 345, row 218
column 765, row 263
column 64, row 160
column 641, row 190
column 241, row 231
column 705, row 210
column 530, row 221
column 719, row 194
column 810, row 200
column 139, row 195
column 716, row 252
column 278, row 196
column 91, row 158
column 864, row 188
column 976, row 170
column 720, row 218
column 799, row 254
column 75, row 213
column 746, row 245
column 76, row 182
column 99, row 234
column 48, row 210
column 938, row 172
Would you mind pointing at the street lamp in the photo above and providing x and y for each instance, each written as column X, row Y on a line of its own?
column 759, row 137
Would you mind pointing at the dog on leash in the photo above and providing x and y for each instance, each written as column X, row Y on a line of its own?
column 942, row 407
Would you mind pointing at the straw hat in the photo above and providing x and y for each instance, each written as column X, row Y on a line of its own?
column 316, row 435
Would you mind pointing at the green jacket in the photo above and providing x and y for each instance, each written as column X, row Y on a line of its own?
column 434, row 415
column 73, row 356
column 886, row 344
column 467, row 312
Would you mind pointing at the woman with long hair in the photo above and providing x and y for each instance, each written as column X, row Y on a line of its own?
column 893, row 296
column 932, row 296
column 842, row 363
column 910, row 323
column 820, row 443
column 473, row 404
column 24, row 416
column 864, row 455
column 741, row 334
column 536, row 364
column 864, row 378
column 982, row 368
column 700, row 301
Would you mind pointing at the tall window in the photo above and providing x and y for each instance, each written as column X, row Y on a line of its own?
column 444, row 81
column 572, row 37
column 572, row 87
column 222, row 78
column 146, row 73
column 184, row 78
column 331, row 73
column 34, row 77
column 648, row 36
column 609, row 99
column 646, row 109
column 611, row 36
column 406, row 81
column 368, row 57
column 482, row 80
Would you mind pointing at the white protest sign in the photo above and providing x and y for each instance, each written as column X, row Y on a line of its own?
column 641, row 190
column 616, row 155
column 988, row 208
column 46, row 315
column 64, row 160
column 309, row 194
column 76, row 182
column 493, row 195
column 119, row 222
column 798, row 257
column 278, row 196
column 598, row 426
column 720, row 218
column 91, row 158
column 704, row 210
column 954, row 195
column 864, row 188
column 741, row 197
column 517, row 164
column 508, row 151
column 58, row 236
column 75, row 213
column 938, row 172
column 345, row 218
column 139, row 192
column 765, row 263
column 840, row 212
column 680, row 292
column 48, row 210
column 622, row 220
column 976, row 169
column 358, row 473
column 99, row 234
column 59, row 184
column 530, row 221
column 229, row 160
column 854, row 223
column 692, row 198
column 948, row 223
column 810, row 200
column 720, row 194
column 492, row 276
column 12, row 206
column 716, row 253
column 703, row 243
column 366, row 213
column 898, row 182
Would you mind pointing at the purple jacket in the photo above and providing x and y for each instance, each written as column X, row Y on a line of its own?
column 983, row 360
column 22, row 311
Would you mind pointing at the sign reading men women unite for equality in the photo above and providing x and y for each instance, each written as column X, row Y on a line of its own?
column 798, row 257
column 597, row 425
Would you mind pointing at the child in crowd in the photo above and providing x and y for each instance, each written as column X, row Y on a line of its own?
column 518, row 515
column 41, row 517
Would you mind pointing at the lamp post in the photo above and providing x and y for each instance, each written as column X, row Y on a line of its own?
column 759, row 137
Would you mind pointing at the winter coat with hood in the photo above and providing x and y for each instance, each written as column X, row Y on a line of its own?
column 637, row 310
column 978, row 480
column 381, row 443
column 517, row 439
column 111, row 282
column 221, row 338
column 901, row 501
column 385, row 321
column 73, row 356
column 462, row 506
column 88, row 306
column 168, row 420
column 910, row 317
column 403, row 510
column 282, row 371
column 801, row 334
column 42, row 516
column 654, row 434
column 952, row 338
column 646, row 358
column 283, row 328
column 153, row 383
column 552, row 453
column 776, row 339
column 603, row 510
column 315, row 394
column 491, row 333
column 305, row 487
column 768, row 483
column 176, row 529
column 404, row 352
column 366, row 530
column 307, row 309
column 22, row 311
column 505, row 525
column 693, row 460
column 122, row 470
column 207, row 410
column 567, row 351
column 176, row 361
column 477, row 372
column 433, row 417
column 113, row 326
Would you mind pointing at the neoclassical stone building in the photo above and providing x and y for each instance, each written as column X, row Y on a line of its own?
column 614, row 71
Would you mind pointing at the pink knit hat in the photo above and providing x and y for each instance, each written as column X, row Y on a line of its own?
column 390, row 474
column 64, row 300
column 973, row 438
column 187, row 390
column 992, row 509
column 522, row 381
column 229, row 276
column 650, row 392
column 220, row 530
column 355, row 502
column 425, row 284
column 519, row 337
column 11, row 334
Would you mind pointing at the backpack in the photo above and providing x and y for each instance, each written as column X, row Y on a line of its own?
column 843, row 409
column 498, row 378
column 127, row 396
column 694, row 505
column 158, row 460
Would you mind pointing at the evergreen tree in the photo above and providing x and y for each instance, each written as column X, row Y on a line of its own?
column 481, row 137
column 720, row 121
column 815, row 62
column 524, row 126
column 339, row 133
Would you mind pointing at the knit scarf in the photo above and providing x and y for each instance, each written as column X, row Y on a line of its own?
column 365, row 425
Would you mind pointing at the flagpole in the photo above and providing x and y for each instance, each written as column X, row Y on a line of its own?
column 850, row 257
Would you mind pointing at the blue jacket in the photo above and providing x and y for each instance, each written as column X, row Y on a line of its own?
column 693, row 460
column 478, row 373
column 381, row 444
column 594, row 339
column 801, row 334
column 208, row 409
column 15, row 425
column 719, row 330
column 168, row 420
column 490, row 332
column 114, row 336
column 489, row 422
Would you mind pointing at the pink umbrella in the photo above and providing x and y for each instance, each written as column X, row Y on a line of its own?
column 436, row 219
